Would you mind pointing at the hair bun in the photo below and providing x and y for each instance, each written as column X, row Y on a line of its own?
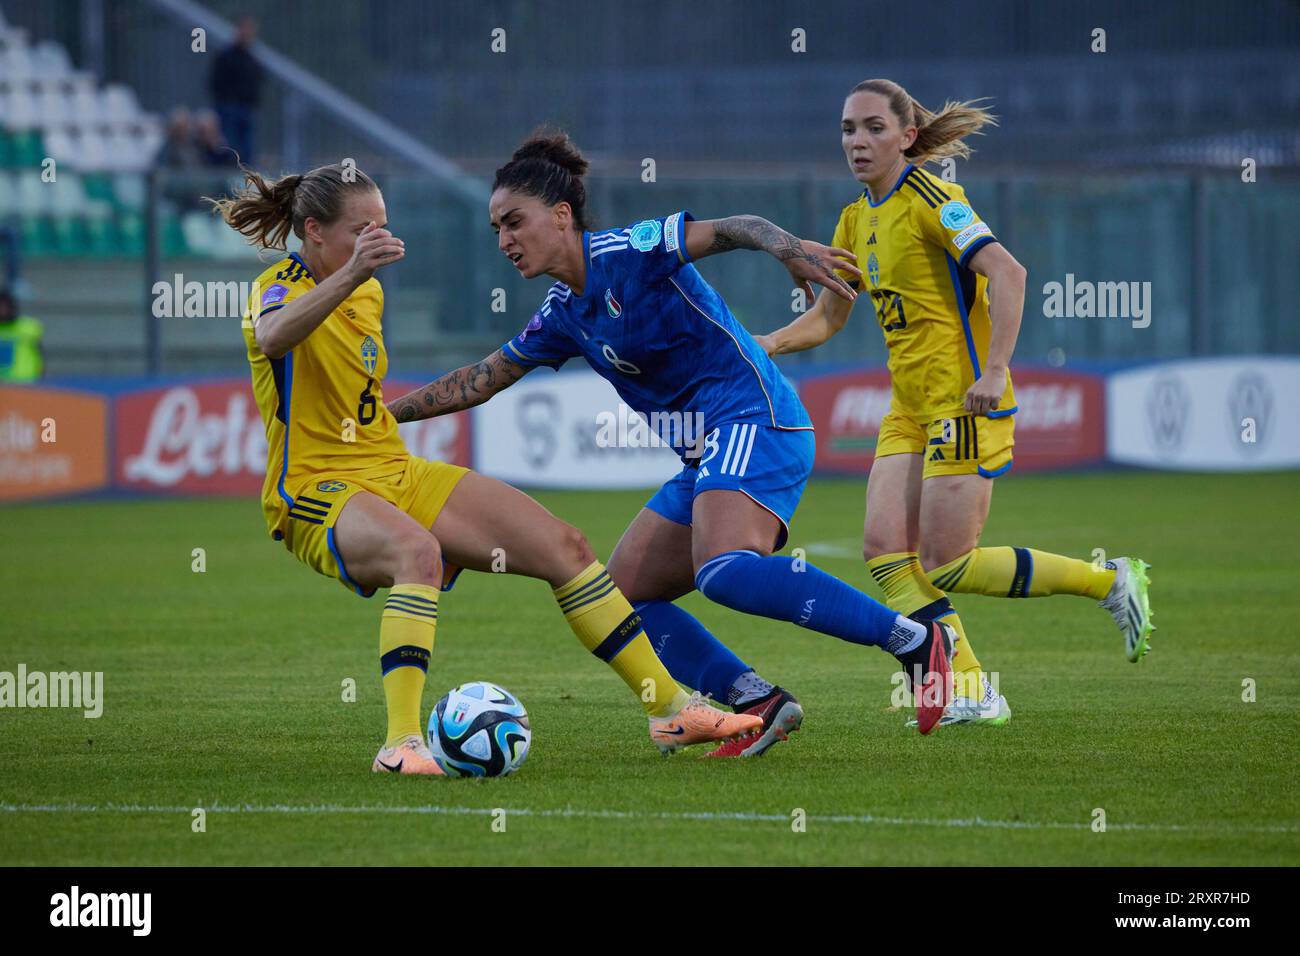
column 554, row 146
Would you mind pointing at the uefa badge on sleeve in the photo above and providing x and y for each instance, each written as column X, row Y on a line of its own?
column 645, row 235
column 956, row 215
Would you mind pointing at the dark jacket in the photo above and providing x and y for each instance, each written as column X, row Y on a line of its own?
column 236, row 77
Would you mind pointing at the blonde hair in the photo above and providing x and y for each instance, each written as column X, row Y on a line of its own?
column 938, row 135
column 266, row 210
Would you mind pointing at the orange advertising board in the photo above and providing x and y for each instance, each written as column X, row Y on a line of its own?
column 52, row 442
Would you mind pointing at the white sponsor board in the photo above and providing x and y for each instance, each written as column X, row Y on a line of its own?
column 546, row 432
column 1207, row 414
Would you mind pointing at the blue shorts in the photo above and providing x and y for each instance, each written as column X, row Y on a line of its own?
column 770, row 465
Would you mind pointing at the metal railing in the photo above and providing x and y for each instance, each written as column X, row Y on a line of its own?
column 1212, row 248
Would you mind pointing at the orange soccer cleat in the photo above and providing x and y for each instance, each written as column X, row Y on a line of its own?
column 411, row 755
column 699, row 722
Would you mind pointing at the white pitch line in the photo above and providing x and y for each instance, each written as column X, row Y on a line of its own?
column 706, row 816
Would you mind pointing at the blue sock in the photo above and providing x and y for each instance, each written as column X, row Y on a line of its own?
column 692, row 655
column 791, row 590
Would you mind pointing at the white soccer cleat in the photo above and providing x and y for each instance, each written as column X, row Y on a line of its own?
column 990, row 710
column 1129, row 605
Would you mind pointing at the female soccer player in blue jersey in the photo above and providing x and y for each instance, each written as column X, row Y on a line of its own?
column 948, row 297
column 345, row 497
column 631, row 304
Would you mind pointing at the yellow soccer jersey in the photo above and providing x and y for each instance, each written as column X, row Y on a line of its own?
column 914, row 249
column 321, row 403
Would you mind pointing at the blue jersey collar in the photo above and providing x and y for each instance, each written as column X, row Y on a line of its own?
column 907, row 169
column 298, row 259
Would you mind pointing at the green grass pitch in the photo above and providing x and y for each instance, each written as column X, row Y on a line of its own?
column 223, row 691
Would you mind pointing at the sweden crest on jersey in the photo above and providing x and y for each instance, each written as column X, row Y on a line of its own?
column 369, row 354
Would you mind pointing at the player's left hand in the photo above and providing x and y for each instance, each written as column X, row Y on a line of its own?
column 813, row 262
column 983, row 397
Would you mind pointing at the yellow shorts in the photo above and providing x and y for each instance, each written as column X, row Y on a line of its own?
column 965, row 445
column 420, row 490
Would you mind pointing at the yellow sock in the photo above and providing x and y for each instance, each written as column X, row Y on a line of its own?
column 607, row 626
column 908, row 590
column 405, row 644
column 1021, row 572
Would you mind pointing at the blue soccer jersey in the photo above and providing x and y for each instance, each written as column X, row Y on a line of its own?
column 650, row 325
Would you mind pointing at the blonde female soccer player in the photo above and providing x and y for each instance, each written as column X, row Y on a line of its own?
column 346, row 497
column 948, row 297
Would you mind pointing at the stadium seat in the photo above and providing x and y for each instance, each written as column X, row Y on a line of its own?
column 129, row 240
column 38, row 236
column 50, row 59
column 129, row 191
column 17, row 105
column 102, row 237
column 33, row 197
column 199, row 235
column 118, row 104
column 99, row 188
column 85, row 99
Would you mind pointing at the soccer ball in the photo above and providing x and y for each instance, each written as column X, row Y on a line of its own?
column 479, row 730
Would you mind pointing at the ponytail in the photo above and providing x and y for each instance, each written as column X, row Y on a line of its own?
column 265, row 211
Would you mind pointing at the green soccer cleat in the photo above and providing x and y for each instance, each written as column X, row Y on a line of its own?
column 1129, row 605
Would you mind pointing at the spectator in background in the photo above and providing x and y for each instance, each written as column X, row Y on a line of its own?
column 211, row 147
column 236, row 83
column 180, row 150
column 22, row 356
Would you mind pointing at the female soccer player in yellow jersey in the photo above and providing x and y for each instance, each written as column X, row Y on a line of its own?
column 347, row 498
column 948, row 297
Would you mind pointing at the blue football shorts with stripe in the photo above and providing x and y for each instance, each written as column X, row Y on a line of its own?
column 770, row 465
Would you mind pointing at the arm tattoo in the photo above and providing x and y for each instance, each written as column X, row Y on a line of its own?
column 754, row 232
column 456, row 391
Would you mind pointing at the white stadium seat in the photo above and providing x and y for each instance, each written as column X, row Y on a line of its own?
column 32, row 196
column 118, row 103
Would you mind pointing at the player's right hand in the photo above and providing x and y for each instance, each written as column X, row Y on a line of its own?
column 375, row 247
